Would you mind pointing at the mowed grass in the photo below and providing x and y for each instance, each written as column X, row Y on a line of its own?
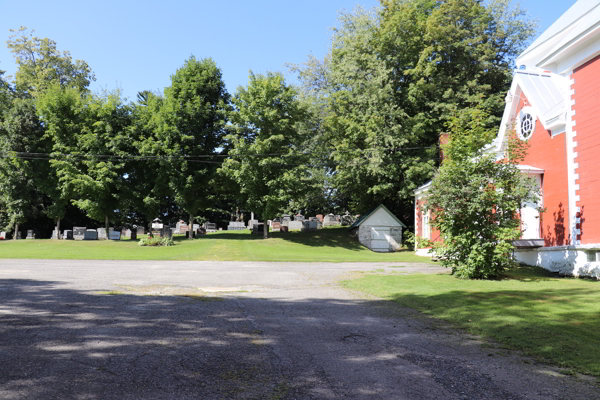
column 325, row 245
column 554, row 319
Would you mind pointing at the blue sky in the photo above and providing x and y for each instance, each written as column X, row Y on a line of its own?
column 136, row 45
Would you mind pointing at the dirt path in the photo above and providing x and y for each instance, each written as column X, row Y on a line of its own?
column 203, row 330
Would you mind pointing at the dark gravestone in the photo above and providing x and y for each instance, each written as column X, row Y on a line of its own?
column 68, row 234
column 134, row 234
column 79, row 232
column 284, row 229
column 91, row 234
column 258, row 228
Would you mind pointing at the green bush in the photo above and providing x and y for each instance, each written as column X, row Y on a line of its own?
column 155, row 241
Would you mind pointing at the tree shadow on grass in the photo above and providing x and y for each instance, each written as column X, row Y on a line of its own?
column 60, row 343
column 561, row 325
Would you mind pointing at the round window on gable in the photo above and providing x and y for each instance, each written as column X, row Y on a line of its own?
column 526, row 123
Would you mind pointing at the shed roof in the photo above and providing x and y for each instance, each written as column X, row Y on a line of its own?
column 367, row 215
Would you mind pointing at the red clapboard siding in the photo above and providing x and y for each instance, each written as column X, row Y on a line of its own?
column 550, row 154
column 587, row 118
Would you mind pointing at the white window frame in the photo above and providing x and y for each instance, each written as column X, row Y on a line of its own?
column 528, row 110
column 426, row 228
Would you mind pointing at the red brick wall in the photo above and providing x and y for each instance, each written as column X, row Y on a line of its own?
column 550, row 154
column 587, row 127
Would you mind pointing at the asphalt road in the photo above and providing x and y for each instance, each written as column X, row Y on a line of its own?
column 234, row 330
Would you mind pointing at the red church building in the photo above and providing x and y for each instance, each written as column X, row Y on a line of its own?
column 554, row 104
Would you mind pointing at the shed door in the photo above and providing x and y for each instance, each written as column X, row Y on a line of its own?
column 380, row 238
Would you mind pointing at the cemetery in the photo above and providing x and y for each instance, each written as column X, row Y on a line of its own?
column 174, row 232
column 332, row 244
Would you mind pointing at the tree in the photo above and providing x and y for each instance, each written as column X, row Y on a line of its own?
column 475, row 200
column 394, row 77
column 88, row 134
column 40, row 64
column 265, row 144
column 195, row 115
column 21, row 134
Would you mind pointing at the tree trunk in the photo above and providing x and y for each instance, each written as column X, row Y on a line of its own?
column 58, row 228
column 265, row 228
column 16, row 231
column 191, row 227
column 106, row 225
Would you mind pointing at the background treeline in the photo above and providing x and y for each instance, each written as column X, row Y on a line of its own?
column 361, row 129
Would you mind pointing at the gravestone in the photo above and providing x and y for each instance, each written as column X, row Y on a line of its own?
column 298, row 217
column 210, row 226
column 114, row 235
column 125, row 233
column 258, row 228
column 286, row 217
column 313, row 219
column 236, row 226
column 54, row 234
column 102, row 234
column 196, row 227
column 284, row 229
column 68, row 234
column 2, row 235
column 295, row 225
column 309, row 226
column 166, row 232
column 140, row 230
column 133, row 235
column 30, row 234
column 347, row 220
column 91, row 234
column 319, row 225
column 187, row 234
column 79, row 232
column 182, row 227
column 320, row 217
column 251, row 223
column 276, row 226
column 330, row 220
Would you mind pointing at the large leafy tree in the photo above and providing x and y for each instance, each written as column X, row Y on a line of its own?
column 394, row 77
column 88, row 134
column 194, row 116
column 147, row 176
column 265, row 159
column 41, row 64
column 21, row 136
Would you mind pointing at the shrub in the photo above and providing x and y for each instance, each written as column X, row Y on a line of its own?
column 155, row 241
column 475, row 201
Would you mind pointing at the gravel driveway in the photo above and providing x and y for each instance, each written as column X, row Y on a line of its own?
column 236, row 330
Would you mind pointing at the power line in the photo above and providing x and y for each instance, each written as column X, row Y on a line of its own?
column 54, row 155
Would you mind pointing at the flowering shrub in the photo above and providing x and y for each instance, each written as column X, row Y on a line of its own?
column 155, row 241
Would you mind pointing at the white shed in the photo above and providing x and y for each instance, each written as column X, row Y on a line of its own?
column 379, row 230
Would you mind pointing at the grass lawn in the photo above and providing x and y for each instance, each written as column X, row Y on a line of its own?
column 330, row 244
column 553, row 319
